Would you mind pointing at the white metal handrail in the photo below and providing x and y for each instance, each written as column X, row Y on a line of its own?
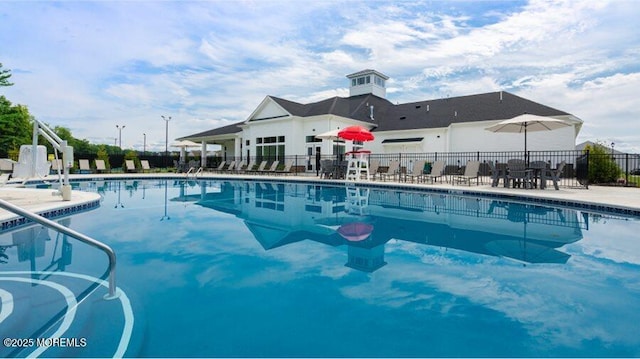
column 193, row 171
column 70, row 232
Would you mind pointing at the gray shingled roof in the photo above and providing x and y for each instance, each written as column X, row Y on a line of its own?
column 416, row 115
column 443, row 112
column 224, row 130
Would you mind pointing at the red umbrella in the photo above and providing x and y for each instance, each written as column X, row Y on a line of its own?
column 355, row 133
column 355, row 231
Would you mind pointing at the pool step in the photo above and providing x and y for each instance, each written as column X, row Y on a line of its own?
column 68, row 307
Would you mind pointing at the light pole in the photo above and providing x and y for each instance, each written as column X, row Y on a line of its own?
column 166, row 139
column 612, row 153
column 120, row 135
column 144, row 144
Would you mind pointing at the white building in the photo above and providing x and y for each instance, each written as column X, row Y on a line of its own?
column 279, row 127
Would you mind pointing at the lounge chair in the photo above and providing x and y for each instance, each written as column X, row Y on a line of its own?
column 240, row 166
column 287, row 168
column 416, row 171
column 56, row 165
column 392, row 171
column 230, row 168
column 84, row 166
column 100, row 166
column 437, row 171
column 145, row 165
column 4, row 178
column 471, row 171
column 261, row 167
column 220, row 167
column 248, row 168
column 130, row 166
column 6, row 165
column 377, row 171
column 271, row 169
column 374, row 165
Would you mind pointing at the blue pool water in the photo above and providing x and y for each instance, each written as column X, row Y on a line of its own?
column 251, row 269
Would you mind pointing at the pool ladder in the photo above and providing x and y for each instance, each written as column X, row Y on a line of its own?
column 77, row 235
column 194, row 172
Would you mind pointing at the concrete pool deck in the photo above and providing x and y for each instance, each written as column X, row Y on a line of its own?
column 46, row 200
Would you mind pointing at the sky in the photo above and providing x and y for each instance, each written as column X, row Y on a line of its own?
column 91, row 65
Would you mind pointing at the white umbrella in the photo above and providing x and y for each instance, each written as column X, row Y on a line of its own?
column 329, row 135
column 183, row 147
column 527, row 123
column 185, row 144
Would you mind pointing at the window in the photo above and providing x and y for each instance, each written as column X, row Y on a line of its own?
column 353, row 82
column 309, row 139
column 247, row 142
column 270, row 149
column 360, row 80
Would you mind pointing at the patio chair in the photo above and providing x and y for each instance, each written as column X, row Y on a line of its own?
column 326, row 169
column 287, row 168
column 417, row 171
column 437, row 171
column 471, row 171
column 130, row 166
column 498, row 171
column 145, row 165
column 84, row 166
column 100, row 166
column 555, row 174
column 518, row 174
column 392, row 172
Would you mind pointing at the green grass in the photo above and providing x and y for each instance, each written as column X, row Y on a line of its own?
column 635, row 180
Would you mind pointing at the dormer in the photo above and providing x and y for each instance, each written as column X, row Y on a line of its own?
column 368, row 81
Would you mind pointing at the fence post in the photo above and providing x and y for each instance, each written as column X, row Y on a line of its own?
column 626, row 169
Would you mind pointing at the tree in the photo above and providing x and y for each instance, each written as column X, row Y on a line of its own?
column 4, row 77
column 16, row 127
column 103, row 155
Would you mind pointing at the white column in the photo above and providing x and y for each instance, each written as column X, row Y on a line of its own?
column 203, row 155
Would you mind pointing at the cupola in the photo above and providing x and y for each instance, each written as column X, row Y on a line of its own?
column 368, row 82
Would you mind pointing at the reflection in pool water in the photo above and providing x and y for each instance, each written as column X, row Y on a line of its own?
column 220, row 268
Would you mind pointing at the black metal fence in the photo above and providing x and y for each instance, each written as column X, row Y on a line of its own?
column 581, row 168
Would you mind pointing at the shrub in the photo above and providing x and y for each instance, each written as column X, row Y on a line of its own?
column 602, row 166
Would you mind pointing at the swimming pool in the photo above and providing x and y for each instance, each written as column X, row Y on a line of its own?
column 283, row 269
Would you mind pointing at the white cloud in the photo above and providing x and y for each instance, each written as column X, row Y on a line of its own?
column 108, row 62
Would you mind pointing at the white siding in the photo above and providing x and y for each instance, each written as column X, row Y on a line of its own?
column 474, row 137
